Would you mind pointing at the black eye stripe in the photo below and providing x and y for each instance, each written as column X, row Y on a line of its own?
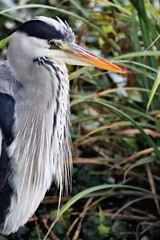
column 43, row 30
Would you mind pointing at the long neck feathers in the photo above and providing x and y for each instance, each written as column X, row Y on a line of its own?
column 42, row 116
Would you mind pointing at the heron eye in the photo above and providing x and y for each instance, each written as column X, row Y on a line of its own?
column 51, row 43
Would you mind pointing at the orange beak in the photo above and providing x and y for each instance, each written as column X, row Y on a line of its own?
column 91, row 59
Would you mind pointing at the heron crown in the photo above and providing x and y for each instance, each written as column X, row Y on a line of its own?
column 46, row 28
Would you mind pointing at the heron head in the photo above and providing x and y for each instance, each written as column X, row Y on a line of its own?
column 54, row 39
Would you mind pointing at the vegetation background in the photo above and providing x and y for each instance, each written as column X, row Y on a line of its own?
column 115, row 136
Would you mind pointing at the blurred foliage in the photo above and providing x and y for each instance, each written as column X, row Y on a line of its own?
column 115, row 141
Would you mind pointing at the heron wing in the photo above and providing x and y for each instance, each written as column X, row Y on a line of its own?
column 6, row 137
column 7, row 84
column 6, row 134
column 7, row 81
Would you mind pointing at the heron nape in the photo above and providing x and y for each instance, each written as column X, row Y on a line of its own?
column 35, row 115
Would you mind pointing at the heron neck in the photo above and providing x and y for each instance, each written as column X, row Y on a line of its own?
column 41, row 80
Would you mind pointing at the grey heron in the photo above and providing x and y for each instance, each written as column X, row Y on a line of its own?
column 35, row 115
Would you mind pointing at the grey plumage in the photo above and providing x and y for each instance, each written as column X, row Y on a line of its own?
column 7, row 81
column 35, row 116
column 37, row 154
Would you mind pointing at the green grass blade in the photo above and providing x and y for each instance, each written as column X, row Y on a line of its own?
column 97, row 188
column 154, row 88
column 77, row 5
column 149, row 29
column 141, row 162
column 141, row 79
column 77, row 73
column 152, row 10
column 138, row 64
column 86, row 192
column 118, row 6
column 128, row 118
column 60, row 10
column 13, row 17
column 136, row 54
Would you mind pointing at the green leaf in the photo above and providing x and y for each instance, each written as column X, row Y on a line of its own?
column 4, row 42
column 103, row 229
column 143, row 161
column 154, row 88
column 101, row 215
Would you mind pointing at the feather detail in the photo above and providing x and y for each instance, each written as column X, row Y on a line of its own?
column 40, row 150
